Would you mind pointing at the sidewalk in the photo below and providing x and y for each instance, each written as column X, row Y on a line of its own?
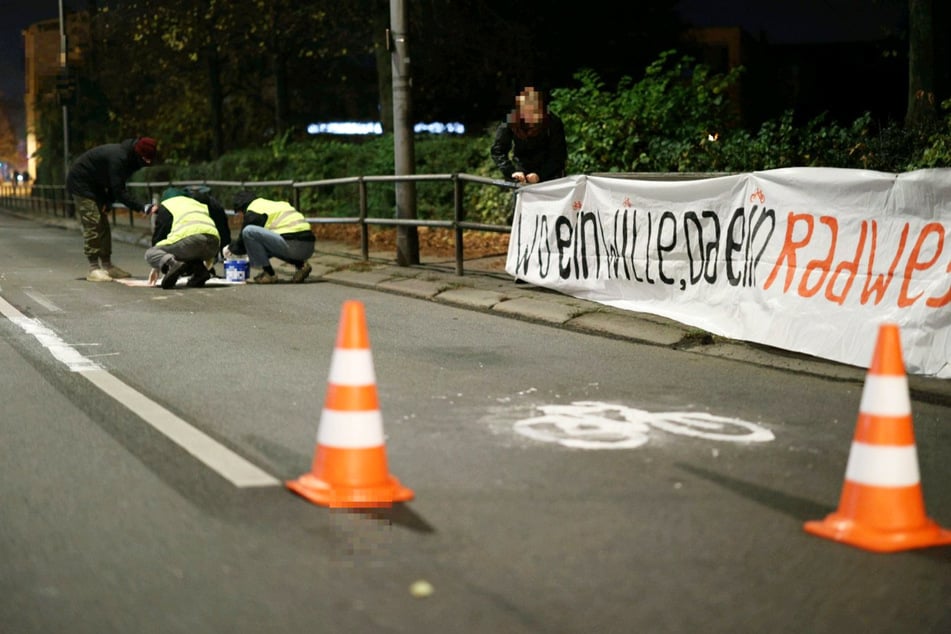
column 486, row 286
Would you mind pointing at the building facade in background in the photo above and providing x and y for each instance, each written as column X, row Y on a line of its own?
column 44, row 65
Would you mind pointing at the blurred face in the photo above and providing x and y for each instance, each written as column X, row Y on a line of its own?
column 530, row 106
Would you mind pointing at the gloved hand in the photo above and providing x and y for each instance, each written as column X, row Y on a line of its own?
column 226, row 252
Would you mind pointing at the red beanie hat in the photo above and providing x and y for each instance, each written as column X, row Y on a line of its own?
column 145, row 147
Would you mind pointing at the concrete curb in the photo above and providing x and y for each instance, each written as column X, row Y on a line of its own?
column 494, row 292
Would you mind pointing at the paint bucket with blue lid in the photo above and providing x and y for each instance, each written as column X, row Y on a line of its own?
column 236, row 270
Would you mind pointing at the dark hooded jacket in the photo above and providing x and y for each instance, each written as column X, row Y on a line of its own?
column 102, row 172
column 540, row 149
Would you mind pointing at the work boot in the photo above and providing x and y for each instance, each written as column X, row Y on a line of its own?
column 263, row 278
column 175, row 269
column 199, row 276
column 301, row 274
column 98, row 275
column 115, row 272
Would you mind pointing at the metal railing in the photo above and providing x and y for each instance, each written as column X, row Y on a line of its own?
column 53, row 200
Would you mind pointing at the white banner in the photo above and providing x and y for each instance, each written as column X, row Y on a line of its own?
column 811, row 260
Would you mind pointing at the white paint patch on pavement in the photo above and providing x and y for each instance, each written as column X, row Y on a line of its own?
column 182, row 282
column 216, row 456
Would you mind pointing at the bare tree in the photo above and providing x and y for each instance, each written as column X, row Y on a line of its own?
column 922, row 72
column 8, row 140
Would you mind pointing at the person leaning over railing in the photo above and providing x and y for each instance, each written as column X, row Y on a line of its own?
column 529, row 146
column 96, row 180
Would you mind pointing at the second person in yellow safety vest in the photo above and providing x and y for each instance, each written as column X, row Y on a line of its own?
column 272, row 229
column 184, row 238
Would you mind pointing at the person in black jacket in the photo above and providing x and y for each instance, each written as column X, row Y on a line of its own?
column 96, row 180
column 529, row 146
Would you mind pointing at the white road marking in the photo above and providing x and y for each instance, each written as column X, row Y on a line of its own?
column 42, row 301
column 214, row 455
column 595, row 425
column 222, row 460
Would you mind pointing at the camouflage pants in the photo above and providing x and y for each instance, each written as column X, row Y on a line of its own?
column 97, row 233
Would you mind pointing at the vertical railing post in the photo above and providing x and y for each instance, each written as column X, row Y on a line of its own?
column 364, row 230
column 458, row 215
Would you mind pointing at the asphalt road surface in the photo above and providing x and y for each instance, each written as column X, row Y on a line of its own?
column 563, row 482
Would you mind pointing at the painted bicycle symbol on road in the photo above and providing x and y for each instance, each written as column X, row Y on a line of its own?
column 594, row 425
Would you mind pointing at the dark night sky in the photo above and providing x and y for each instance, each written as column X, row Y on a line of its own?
column 781, row 21
column 801, row 21
column 15, row 16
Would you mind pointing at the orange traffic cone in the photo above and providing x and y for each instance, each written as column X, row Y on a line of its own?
column 882, row 507
column 349, row 468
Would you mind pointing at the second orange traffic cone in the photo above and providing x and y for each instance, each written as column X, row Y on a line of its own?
column 349, row 469
column 881, row 507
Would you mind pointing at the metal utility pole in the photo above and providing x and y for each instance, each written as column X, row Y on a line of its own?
column 64, row 75
column 407, row 238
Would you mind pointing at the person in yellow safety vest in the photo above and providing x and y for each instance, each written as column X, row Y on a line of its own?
column 184, row 238
column 272, row 229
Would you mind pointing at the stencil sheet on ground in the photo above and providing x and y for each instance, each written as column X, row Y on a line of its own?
column 181, row 282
